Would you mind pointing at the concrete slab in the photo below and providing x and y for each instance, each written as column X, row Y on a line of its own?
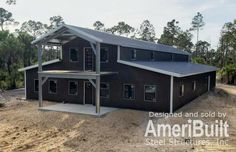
column 77, row 108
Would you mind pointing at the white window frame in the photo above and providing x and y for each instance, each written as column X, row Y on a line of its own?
column 106, row 49
column 49, row 91
column 70, row 55
column 155, row 93
column 105, row 89
column 123, row 91
column 152, row 55
column 34, row 84
column 77, row 87
column 182, row 90
column 194, row 85
column 134, row 54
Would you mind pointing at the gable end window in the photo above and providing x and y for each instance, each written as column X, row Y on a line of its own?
column 181, row 90
column 104, row 90
column 150, row 93
column 104, row 55
column 129, row 91
column 73, row 88
column 52, row 86
column 134, row 54
column 194, row 85
column 152, row 56
column 74, row 55
column 36, row 85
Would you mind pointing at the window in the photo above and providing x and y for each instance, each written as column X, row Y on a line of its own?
column 152, row 56
column 74, row 55
column 129, row 91
column 36, row 85
column 105, row 90
column 150, row 93
column 134, row 54
column 181, row 90
column 194, row 85
column 73, row 88
column 104, row 55
column 53, row 86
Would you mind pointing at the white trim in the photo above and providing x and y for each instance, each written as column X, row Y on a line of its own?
column 124, row 90
column 25, row 79
column 106, row 50
column 171, row 93
column 182, row 90
column 36, row 65
column 49, row 91
column 118, row 52
column 159, row 70
column 34, row 85
column 84, row 59
column 77, row 87
column 145, row 93
column 77, row 55
column 108, row 84
column 134, row 55
column 194, row 85
column 209, row 83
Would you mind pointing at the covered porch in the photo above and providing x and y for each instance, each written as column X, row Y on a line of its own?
column 87, row 109
column 59, row 37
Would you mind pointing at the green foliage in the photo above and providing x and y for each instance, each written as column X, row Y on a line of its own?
column 174, row 36
column 147, row 31
column 99, row 26
column 197, row 23
column 121, row 29
column 55, row 21
column 198, row 60
column 5, row 18
column 230, row 72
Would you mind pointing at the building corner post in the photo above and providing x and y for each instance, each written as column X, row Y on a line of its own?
column 98, row 78
column 40, row 94
column 171, row 93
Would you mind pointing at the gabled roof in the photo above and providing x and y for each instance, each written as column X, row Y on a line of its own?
column 177, row 69
column 103, row 37
column 36, row 65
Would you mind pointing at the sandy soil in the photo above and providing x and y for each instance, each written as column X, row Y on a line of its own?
column 24, row 128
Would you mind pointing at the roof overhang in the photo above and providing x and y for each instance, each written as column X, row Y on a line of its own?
column 64, row 34
column 172, row 68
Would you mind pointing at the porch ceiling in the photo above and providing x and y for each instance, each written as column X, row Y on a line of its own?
column 73, row 74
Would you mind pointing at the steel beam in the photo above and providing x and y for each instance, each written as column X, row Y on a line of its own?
column 91, row 81
column 40, row 95
column 171, row 93
column 93, row 48
column 98, row 78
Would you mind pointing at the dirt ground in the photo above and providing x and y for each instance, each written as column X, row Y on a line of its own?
column 24, row 128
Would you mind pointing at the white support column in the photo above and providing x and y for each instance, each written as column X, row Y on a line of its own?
column 39, row 76
column 118, row 52
column 209, row 83
column 171, row 93
column 98, row 78
column 25, row 84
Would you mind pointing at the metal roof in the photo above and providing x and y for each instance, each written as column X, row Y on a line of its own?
column 36, row 65
column 107, row 38
column 177, row 69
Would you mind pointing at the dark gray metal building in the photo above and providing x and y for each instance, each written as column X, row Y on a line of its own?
column 103, row 69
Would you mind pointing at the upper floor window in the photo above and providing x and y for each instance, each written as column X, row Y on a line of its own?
column 129, row 91
column 52, row 86
column 74, row 55
column 73, row 88
column 150, row 93
column 36, row 85
column 181, row 90
column 134, row 54
column 104, row 55
column 105, row 90
column 194, row 85
column 152, row 56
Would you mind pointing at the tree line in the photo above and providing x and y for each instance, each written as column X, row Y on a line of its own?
column 16, row 50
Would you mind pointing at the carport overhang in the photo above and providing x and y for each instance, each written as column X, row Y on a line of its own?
column 62, row 35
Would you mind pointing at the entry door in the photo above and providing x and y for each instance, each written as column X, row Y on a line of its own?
column 88, row 59
column 88, row 93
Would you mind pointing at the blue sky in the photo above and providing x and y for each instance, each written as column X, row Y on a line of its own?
column 85, row 12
